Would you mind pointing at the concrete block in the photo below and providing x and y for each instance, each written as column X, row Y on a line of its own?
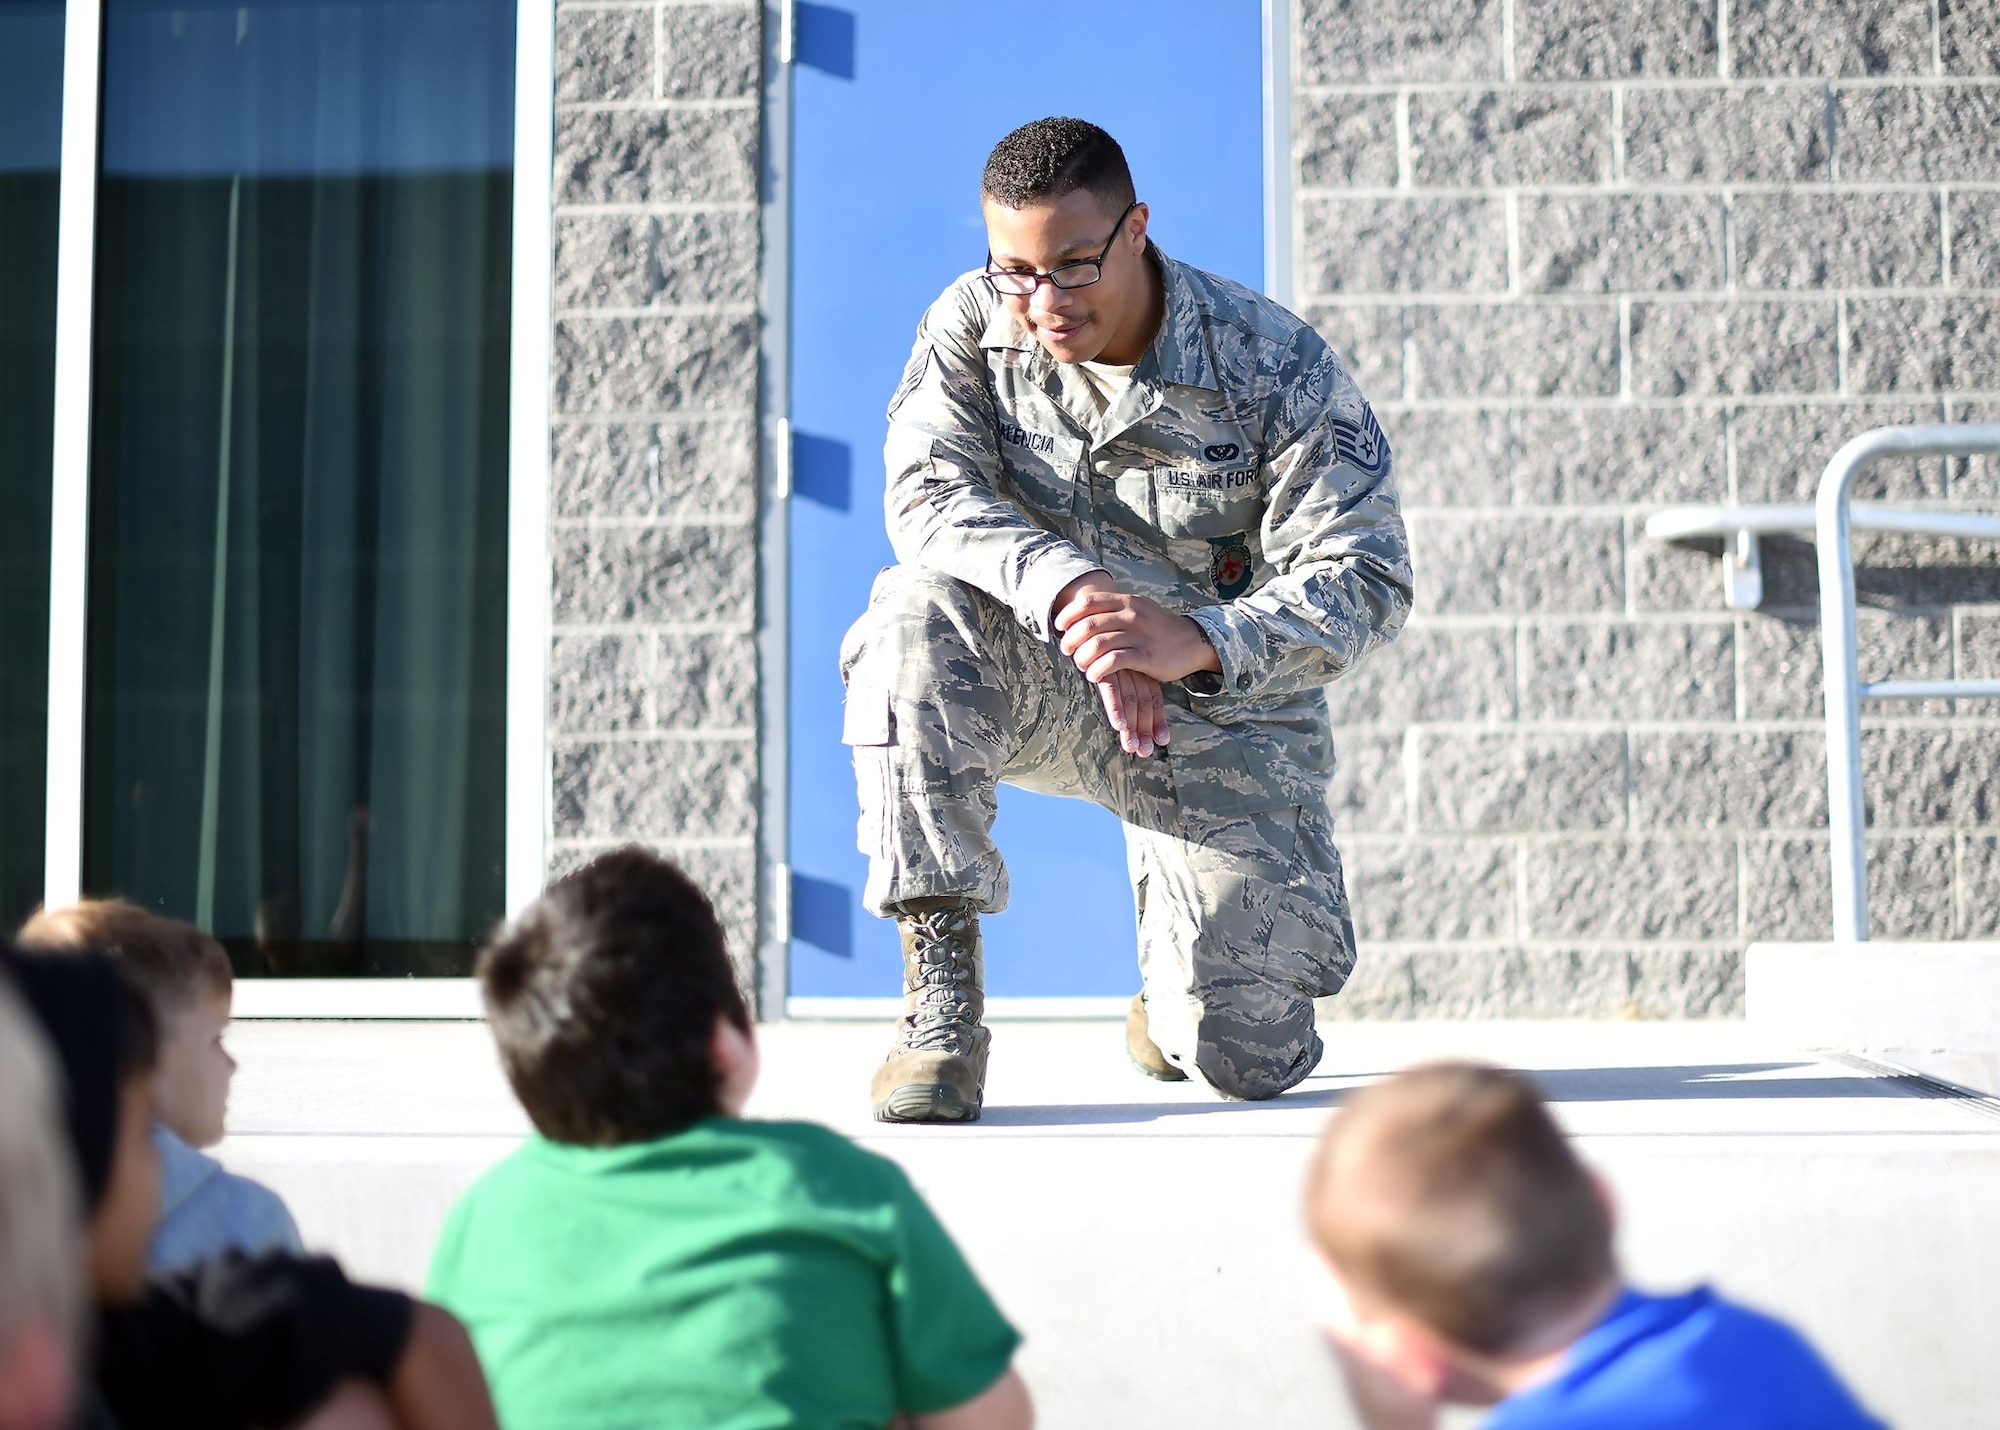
column 1630, row 888
column 659, row 364
column 1810, row 39
column 1430, row 890
column 1771, row 134
column 693, row 467
column 1921, row 776
column 1969, row 36
column 651, row 156
column 1930, row 133
column 1924, row 571
column 1729, row 779
column 1567, row 349
column 1345, row 141
column 1496, row 137
column 1370, row 339
column 1610, row 456
column 1614, row 39
column 1485, row 564
column 1449, row 456
column 627, row 260
column 633, row 680
column 601, row 683
column 1431, row 672
column 706, row 679
column 1788, row 887
column 1701, row 347
column 603, row 54
column 1782, row 674
column 1511, row 981
column 710, row 51
column 1649, row 670
column 1923, row 344
column 1782, row 450
column 1802, row 240
column 1974, row 480
column 1975, row 239
column 1354, row 41
column 1590, row 243
column 1979, row 886
column 1402, row 245
column 654, row 789
column 654, row 573
column 1519, row 780
column 1366, row 793
column 1931, row 1007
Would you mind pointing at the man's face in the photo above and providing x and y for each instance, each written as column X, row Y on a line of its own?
column 1076, row 324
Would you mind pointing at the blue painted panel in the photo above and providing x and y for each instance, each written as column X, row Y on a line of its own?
column 898, row 103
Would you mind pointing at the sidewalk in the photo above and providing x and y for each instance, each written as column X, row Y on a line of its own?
column 1145, row 1237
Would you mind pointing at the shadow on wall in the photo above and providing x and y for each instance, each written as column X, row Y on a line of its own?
column 824, row 36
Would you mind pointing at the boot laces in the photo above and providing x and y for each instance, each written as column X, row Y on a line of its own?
column 941, row 983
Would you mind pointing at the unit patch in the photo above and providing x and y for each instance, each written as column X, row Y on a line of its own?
column 1229, row 564
column 1221, row 451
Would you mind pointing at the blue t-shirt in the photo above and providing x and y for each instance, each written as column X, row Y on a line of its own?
column 1691, row 1362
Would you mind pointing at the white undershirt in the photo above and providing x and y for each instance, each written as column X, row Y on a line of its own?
column 1108, row 382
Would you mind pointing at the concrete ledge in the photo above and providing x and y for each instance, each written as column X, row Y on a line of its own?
column 452, row 999
column 1931, row 1007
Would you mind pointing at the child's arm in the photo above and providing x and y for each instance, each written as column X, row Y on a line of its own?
column 438, row 1384
column 1003, row 1405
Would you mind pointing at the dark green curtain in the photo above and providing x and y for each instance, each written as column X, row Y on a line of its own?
column 298, row 525
column 30, row 149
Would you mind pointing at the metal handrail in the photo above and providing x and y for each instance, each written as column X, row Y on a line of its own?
column 1834, row 523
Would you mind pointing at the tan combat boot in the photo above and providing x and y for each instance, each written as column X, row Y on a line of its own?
column 936, row 1071
column 1142, row 1050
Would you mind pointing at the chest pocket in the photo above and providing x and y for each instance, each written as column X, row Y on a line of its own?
column 1209, row 498
column 1041, row 466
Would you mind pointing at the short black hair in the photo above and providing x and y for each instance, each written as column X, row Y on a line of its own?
column 603, row 998
column 1048, row 158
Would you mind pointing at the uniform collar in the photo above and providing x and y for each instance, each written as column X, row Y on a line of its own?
column 1179, row 351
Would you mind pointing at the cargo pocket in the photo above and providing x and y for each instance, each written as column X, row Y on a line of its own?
column 1311, row 945
column 868, row 726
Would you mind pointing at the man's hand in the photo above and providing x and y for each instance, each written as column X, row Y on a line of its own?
column 1105, row 629
column 1097, row 624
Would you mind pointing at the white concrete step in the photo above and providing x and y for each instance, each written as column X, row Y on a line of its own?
column 1931, row 1007
column 1147, row 1239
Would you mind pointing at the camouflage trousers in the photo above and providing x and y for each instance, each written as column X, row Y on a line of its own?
column 1242, row 918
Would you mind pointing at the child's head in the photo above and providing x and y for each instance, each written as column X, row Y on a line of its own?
column 101, row 1029
column 41, row 1240
column 185, row 975
column 614, row 1005
column 1463, row 1234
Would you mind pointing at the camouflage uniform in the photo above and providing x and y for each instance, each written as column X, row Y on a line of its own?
column 1242, row 480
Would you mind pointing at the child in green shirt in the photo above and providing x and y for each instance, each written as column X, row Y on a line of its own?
column 650, row 1258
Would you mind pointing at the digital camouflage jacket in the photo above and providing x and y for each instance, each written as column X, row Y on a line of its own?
column 1242, row 479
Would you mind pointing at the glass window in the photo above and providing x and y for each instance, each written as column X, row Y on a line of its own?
column 298, row 482
column 31, row 44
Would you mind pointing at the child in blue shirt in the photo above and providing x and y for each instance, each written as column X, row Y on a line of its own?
column 1469, row 1262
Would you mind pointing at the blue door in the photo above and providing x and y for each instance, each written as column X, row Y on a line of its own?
column 897, row 104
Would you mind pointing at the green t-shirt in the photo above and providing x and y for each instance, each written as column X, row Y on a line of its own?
column 735, row 1276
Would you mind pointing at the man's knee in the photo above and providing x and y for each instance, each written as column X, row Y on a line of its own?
column 915, row 619
column 1258, row 1056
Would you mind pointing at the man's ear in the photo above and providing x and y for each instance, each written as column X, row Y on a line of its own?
column 1136, row 226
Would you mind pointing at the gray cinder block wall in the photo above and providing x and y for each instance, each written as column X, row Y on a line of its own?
column 653, row 674
column 1590, row 258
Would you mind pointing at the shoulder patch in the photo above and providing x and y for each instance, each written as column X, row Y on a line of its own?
column 1360, row 441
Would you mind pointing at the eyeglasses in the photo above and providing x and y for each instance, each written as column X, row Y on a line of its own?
column 1021, row 282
